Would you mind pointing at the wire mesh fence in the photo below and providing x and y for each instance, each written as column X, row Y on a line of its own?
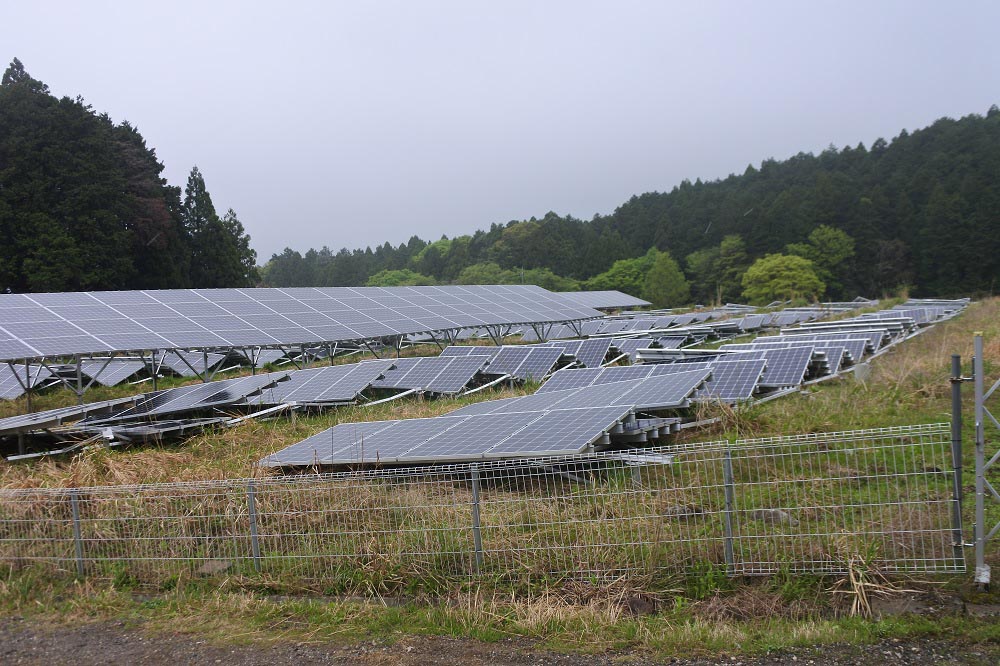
column 809, row 503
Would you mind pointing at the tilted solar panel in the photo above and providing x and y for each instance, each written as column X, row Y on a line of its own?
column 13, row 381
column 199, row 396
column 453, row 438
column 111, row 372
column 327, row 384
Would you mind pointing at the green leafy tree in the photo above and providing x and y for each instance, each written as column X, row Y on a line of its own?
column 625, row 275
column 830, row 251
column 402, row 277
column 485, row 273
column 546, row 279
column 781, row 276
column 664, row 285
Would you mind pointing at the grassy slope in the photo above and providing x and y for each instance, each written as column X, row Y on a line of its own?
column 907, row 386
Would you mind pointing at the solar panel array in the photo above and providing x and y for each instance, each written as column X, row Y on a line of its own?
column 453, row 438
column 669, row 391
column 731, row 381
column 63, row 324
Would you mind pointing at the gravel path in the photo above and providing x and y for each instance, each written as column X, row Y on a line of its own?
column 113, row 643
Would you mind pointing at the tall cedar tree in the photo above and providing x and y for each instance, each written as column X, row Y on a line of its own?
column 82, row 204
column 220, row 248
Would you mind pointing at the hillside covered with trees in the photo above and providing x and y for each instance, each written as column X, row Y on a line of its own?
column 83, row 206
column 919, row 211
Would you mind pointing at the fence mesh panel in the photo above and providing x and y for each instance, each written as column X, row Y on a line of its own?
column 804, row 503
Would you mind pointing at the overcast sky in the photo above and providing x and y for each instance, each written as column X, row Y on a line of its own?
column 352, row 124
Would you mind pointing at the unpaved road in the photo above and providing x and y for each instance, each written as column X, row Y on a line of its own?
column 113, row 643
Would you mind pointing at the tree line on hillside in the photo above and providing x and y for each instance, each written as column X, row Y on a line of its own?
column 918, row 211
column 83, row 206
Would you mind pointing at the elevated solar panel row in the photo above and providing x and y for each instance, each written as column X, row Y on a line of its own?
column 63, row 324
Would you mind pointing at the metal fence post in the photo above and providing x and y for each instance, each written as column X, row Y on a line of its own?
column 74, row 502
column 254, row 538
column 982, row 576
column 956, row 456
column 729, row 482
column 477, row 537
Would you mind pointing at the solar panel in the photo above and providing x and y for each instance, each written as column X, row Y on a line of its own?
column 855, row 348
column 537, row 364
column 188, row 364
column 604, row 300
column 453, row 438
column 785, row 366
column 733, row 381
column 111, row 372
column 525, row 362
column 11, row 388
column 569, row 378
column 631, row 346
column 458, row 375
column 328, row 384
column 656, row 392
column 469, row 350
column 672, row 341
column 62, row 324
column 561, row 431
column 438, row 374
column 590, row 353
column 199, row 396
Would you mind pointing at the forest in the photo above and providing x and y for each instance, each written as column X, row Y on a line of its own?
column 83, row 205
column 918, row 212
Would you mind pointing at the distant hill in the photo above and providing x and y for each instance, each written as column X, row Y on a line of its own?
column 922, row 210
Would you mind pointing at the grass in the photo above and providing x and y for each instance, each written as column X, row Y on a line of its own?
column 701, row 613
column 556, row 620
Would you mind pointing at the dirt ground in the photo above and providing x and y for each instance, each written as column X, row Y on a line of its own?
column 114, row 643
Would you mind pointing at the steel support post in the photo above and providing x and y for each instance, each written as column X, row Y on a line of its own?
column 477, row 536
column 727, row 516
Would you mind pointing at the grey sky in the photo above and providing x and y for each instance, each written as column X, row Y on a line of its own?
column 350, row 124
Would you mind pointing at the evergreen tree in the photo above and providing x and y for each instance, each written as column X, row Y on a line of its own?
column 220, row 248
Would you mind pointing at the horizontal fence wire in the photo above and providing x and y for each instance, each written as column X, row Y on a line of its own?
column 816, row 503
